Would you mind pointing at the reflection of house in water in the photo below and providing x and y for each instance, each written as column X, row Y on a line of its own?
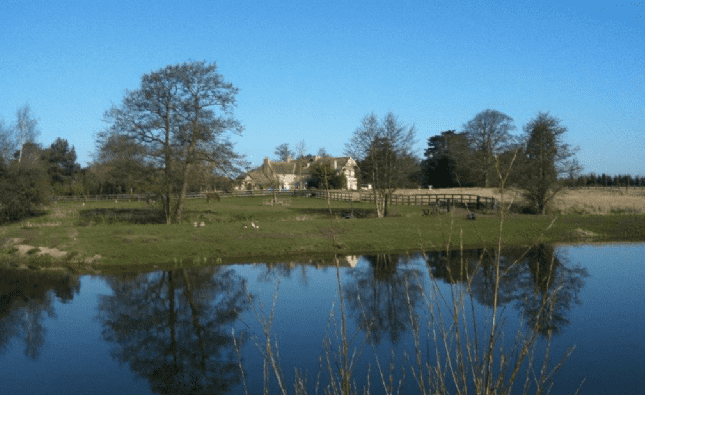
column 343, row 261
column 294, row 174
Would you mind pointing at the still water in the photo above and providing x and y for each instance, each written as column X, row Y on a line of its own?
column 567, row 319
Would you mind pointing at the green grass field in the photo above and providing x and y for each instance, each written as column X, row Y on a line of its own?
column 103, row 234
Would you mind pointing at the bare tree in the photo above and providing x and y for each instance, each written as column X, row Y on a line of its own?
column 545, row 159
column 283, row 152
column 26, row 127
column 300, row 149
column 488, row 133
column 574, row 169
column 181, row 115
column 385, row 153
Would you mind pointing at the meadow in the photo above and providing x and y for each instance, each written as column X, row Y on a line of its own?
column 594, row 200
column 247, row 229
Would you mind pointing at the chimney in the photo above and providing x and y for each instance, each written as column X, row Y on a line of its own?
column 266, row 166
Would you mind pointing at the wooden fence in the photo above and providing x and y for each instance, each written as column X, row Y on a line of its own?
column 438, row 200
column 339, row 196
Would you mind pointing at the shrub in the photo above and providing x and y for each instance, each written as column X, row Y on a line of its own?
column 23, row 191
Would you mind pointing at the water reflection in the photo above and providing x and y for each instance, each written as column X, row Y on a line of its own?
column 25, row 299
column 182, row 330
column 384, row 296
column 553, row 291
column 540, row 281
column 173, row 327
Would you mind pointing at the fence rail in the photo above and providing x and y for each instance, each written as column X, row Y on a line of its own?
column 438, row 200
column 339, row 196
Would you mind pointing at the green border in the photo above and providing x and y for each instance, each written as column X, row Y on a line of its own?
column 682, row 34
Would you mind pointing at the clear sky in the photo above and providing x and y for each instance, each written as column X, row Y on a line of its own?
column 310, row 70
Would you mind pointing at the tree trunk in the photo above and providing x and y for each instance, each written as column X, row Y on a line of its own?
column 376, row 192
column 327, row 191
column 165, row 200
column 172, row 316
column 181, row 195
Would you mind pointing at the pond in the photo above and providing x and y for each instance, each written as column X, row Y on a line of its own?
column 561, row 320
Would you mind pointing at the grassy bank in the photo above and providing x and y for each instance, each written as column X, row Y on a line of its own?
column 102, row 234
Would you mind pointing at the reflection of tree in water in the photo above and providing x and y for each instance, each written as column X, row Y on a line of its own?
column 454, row 266
column 25, row 297
column 543, row 284
column 541, row 281
column 276, row 270
column 477, row 269
column 284, row 270
column 383, row 296
column 551, row 289
column 174, row 327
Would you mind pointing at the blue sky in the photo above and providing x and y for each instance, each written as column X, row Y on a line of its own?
column 310, row 70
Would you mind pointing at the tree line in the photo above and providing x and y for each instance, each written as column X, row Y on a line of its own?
column 171, row 136
column 29, row 173
column 486, row 153
column 604, row 180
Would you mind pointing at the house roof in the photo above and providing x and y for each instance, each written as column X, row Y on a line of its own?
column 283, row 167
column 341, row 161
column 256, row 176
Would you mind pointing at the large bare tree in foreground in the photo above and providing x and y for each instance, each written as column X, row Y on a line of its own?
column 180, row 117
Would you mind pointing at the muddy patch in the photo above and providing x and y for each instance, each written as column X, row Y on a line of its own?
column 585, row 233
column 24, row 249
column 92, row 259
column 12, row 241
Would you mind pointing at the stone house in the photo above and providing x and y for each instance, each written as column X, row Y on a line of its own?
column 293, row 174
